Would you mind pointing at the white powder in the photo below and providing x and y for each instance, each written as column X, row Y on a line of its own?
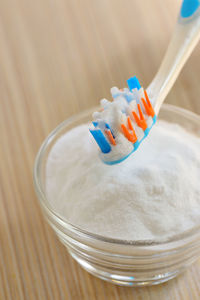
column 154, row 194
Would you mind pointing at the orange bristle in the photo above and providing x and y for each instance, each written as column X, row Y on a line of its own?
column 148, row 107
column 129, row 123
column 130, row 136
column 110, row 137
column 141, row 122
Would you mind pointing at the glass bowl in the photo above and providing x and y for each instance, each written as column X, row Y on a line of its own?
column 123, row 262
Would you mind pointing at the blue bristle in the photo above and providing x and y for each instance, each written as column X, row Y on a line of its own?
column 189, row 7
column 106, row 125
column 133, row 83
column 95, row 124
column 101, row 140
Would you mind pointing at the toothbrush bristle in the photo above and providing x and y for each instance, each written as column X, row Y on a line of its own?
column 101, row 140
column 130, row 136
column 124, row 122
column 147, row 104
column 133, row 83
column 140, row 120
column 110, row 137
column 129, row 123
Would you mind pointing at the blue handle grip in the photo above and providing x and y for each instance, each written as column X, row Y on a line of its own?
column 189, row 7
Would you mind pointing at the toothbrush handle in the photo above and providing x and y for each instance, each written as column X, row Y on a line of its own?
column 183, row 41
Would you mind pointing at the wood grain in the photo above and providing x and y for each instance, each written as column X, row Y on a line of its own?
column 56, row 59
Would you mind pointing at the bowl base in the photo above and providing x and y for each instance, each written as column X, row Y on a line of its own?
column 123, row 280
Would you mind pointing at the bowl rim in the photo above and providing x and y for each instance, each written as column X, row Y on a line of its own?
column 185, row 236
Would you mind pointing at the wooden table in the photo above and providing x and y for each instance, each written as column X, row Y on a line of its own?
column 56, row 59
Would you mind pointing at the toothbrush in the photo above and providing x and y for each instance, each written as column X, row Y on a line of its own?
column 121, row 125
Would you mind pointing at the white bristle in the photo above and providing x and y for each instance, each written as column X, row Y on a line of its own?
column 149, row 122
column 139, row 132
column 114, row 91
column 141, row 93
column 96, row 115
column 101, row 124
column 132, row 106
column 104, row 103
column 136, row 95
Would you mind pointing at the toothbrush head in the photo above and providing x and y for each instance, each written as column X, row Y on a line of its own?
column 122, row 124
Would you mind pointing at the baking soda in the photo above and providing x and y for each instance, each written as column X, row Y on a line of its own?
column 152, row 195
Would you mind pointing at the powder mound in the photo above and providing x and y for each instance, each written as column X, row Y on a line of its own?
column 153, row 195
